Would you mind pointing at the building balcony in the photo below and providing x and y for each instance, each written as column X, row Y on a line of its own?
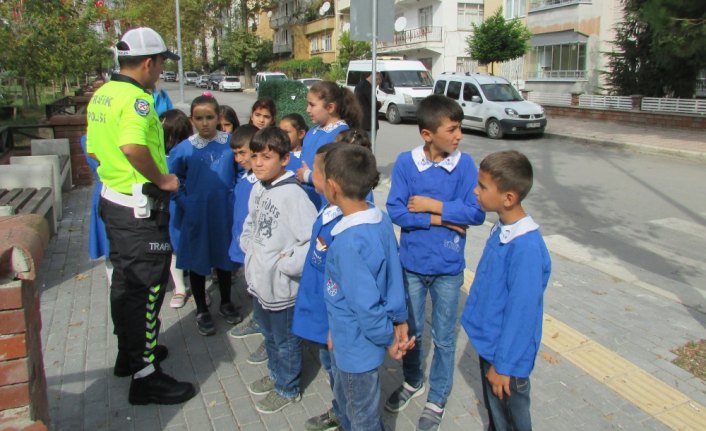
column 343, row 5
column 280, row 21
column 281, row 48
column 415, row 36
column 327, row 23
column 557, row 75
column 536, row 5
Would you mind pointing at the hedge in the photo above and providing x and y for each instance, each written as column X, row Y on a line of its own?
column 289, row 97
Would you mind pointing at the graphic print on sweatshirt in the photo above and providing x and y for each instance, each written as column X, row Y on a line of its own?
column 267, row 220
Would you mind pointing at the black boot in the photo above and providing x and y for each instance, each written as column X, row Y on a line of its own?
column 122, row 363
column 159, row 388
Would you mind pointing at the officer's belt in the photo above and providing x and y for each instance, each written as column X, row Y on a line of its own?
column 119, row 198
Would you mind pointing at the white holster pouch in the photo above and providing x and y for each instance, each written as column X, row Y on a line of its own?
column 139, row 202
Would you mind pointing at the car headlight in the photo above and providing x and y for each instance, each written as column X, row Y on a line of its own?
column 408, row 99
column 511, row 112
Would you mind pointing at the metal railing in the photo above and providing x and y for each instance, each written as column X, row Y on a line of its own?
column 681, row 106
column 557, row 74
column 547, row 4
column 281, row 47
column 605, row 102
column 415, row 35
column 555, row 99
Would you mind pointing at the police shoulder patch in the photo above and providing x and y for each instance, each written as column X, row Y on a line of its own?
column 142, row 107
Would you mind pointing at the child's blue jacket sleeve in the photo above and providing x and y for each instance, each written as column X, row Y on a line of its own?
column 523, row 311
column 398, row 197
column 176, row 162
column 465, row 210
column 364, row 299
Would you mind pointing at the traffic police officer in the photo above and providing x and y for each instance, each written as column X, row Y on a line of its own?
column 126, row 137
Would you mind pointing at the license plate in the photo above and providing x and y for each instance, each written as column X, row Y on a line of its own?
column 533, row 125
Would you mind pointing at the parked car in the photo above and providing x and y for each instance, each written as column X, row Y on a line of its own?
column 490, row 103
column 230, row 83
column 214, row 81
column 170, row 77
column 190, row 78
column 309, row 81
column 203, row 80
column 267, row 76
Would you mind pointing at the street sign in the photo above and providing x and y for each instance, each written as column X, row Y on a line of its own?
column 362, row 20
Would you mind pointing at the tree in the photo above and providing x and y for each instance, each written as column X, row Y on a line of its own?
column 243, row 48
column 350, row 49
column 660, row 48
column 498, row 40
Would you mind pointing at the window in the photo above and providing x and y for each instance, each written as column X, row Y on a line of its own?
column 469, row 14
column 469, row 90
column 439, row 87
column 565, row 61
column 515, row 8
column 454, row 90
column 314, row 44
column 425, row 18
column 326, row 43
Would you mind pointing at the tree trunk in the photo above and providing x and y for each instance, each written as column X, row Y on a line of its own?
column 247, row 71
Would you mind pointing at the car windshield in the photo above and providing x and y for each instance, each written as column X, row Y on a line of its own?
column 501, row 93
column 217, row 77
column 231, row 79
column 410, row 78
column 274, row 77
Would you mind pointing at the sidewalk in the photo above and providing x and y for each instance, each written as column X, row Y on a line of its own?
column 688, row 143
column 605, row 362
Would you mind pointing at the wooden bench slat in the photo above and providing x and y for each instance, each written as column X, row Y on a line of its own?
column 21, row 200
column 9, row 195
column 35, row 202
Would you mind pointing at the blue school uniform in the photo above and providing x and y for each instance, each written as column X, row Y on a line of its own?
column 98, row 245
column 314, row 139
column 503, row 314
column 243, row 187
column 206, row 174
column 310, row 319
column 427, row 249
column 364, row 290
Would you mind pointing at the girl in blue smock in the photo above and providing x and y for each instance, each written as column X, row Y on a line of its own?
column 332, row 109
column 204, row 165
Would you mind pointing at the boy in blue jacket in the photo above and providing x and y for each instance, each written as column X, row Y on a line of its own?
column 432, row 200
column 364, row 291
column 503, row 314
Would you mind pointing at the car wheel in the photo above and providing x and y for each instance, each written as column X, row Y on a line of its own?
column 393, row 115
column 493, row 129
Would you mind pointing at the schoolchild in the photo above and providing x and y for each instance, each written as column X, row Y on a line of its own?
column 431, row 198
column 355, row 137
column 503, row 314
column 332, row 109
column 263, row 112
column 176, row 127
column 204, row 165
column 275, row 240
column 295, row 127
column 228, row 119
column 364, row 290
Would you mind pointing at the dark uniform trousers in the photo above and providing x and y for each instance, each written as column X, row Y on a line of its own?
column 140, row 253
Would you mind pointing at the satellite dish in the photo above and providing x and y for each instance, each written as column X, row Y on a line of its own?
column 325, row 7
column 269, row 14
column 347, row 26
column 400, row 23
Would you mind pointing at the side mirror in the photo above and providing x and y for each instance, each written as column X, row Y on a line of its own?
column 476, row 99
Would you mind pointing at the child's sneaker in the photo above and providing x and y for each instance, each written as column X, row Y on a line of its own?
column 402, row 396
column 246, row 330
column 259, row 356
column 261, row 387
column 275, row 402
column 326, row 421
column 230, row 313
column 204, row 323
column 431, row 417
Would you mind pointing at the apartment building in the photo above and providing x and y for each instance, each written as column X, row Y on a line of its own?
column 304, row 29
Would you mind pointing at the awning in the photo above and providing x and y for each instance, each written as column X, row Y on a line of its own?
column 558, row 38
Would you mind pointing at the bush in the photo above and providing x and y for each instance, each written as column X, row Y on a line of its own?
column 289, row 97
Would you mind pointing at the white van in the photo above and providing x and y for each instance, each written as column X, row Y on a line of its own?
column 404, row 84
column 490, row 103
column 267, row 76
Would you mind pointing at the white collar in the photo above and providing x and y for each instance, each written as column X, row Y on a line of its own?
column 250, row 176
column 420, row 159
column 370, row 216
column 199, row 142
column 284, row 176
column 327, row 128
column 517, row 229
column 330, row 213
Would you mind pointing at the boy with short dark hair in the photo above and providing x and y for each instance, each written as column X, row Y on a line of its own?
column 431, row 198
column 503, row 314
column 364, row 290
column 275, row 240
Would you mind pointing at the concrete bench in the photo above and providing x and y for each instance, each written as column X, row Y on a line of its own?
column 60, row 148
column 53, row 163
column 28, row 189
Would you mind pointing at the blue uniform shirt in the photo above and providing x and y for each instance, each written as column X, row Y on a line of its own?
column 241, row 193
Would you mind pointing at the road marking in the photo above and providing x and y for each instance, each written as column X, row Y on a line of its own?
column 656, row 398
column 681, row 225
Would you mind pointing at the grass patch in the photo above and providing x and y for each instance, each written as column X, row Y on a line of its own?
column 692, row 357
